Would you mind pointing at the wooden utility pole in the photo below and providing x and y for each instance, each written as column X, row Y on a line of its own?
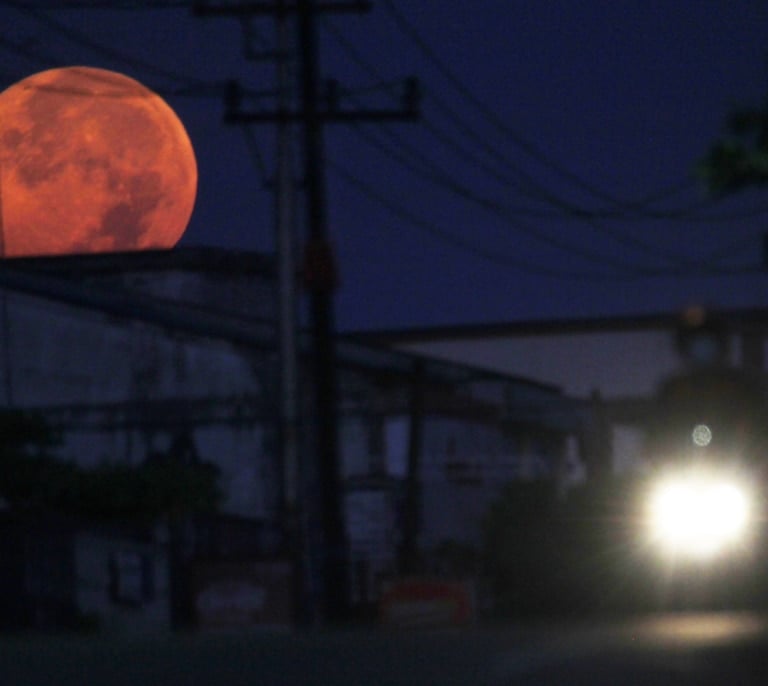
column 319, row 266
column 320, row 280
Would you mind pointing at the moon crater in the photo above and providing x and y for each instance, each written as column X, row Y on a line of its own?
column 91, row 161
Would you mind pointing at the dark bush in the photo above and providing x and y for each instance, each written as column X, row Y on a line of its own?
column 546, row 553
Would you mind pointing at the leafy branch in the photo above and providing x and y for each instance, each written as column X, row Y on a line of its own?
column 31, row 477
column 741, row 159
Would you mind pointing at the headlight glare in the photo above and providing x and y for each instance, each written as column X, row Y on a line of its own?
column 698, row 516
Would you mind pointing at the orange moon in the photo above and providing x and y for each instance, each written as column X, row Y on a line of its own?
column 91, row 161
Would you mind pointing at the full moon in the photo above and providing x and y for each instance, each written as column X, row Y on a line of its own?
column 91, row 161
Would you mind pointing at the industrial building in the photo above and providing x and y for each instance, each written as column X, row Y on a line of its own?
column 614, row 367
column 173, row 355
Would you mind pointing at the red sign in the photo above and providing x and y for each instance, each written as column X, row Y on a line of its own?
column 240, row 595
column 427, row 602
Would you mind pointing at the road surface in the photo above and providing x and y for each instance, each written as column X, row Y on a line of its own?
column 701, row 649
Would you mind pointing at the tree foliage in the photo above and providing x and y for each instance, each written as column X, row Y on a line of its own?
column 33, row 477
column 741, row 158
column 549, row 554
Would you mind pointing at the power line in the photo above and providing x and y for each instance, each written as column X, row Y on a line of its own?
column 24, row 49
column 447, row 181
column 536, row 269
column 441, row 135
column 102, row 4
column 526, row 146
column 185, row 86
column 450, row 238
column 642, row 211
column 735, row 246
column 524, row 182
column 498, row 209
column 255, row 153
column 621, row 208
column 622, row 205
column 84, row 40
column 421, row 165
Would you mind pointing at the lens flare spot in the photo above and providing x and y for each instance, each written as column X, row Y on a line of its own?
column 701, row 435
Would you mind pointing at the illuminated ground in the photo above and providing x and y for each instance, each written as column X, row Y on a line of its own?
column 682, row 649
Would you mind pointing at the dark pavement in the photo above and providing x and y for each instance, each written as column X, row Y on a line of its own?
column 728, row 649
column 725, row 648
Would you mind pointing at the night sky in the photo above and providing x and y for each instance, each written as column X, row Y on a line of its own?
column 552, row 174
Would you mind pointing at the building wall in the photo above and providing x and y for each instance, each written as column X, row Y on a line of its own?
column 58, row 354
column 120, row 390
column 465, row 466
column 477, row 435
column 248, row 470
column 233, row 289
column 122, row 585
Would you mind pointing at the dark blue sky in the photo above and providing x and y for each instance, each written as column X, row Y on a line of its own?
column 551, row 174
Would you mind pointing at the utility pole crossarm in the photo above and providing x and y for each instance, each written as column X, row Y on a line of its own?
column 331, row 113
column 343, row 117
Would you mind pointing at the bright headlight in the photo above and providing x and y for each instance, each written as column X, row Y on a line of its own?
column 698, row 516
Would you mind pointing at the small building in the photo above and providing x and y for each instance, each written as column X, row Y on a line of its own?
column 61, row 574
